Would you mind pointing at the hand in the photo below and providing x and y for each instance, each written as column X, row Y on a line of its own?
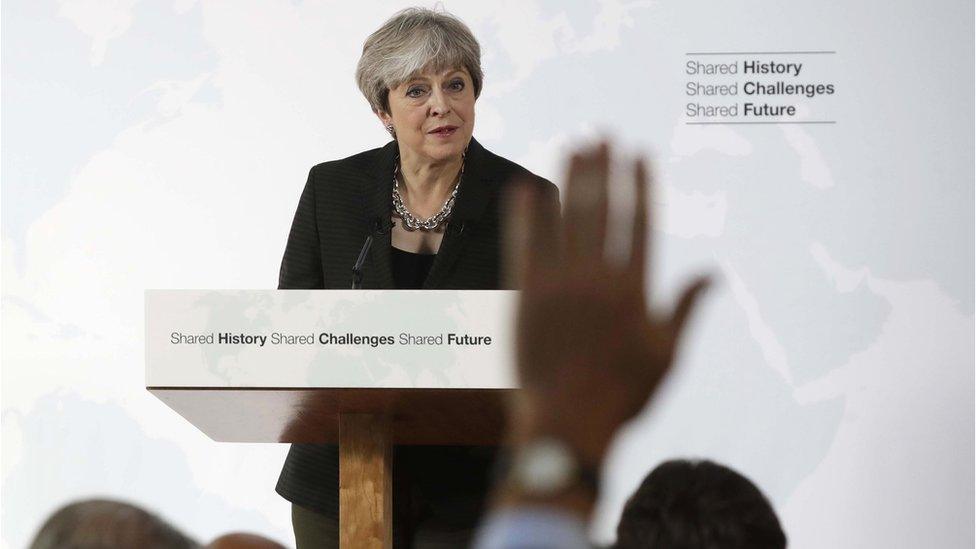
column 589, row 353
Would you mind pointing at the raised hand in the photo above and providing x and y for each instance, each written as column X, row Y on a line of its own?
column 589, row 352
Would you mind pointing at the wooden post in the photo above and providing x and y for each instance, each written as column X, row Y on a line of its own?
column 365, row 482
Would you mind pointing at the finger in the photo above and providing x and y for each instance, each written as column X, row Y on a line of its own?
column 516, row 230
column 639, row 238
column 546, row 240
column 686, row 304
column 586, row 203
column 531, row 232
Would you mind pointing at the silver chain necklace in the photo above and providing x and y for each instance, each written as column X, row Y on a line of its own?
column 411, row 222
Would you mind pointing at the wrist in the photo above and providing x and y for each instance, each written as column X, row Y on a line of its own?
column 546, row 472
column 534, row 419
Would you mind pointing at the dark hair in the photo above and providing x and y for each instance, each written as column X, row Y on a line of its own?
column 107, row 524
column 686, row 504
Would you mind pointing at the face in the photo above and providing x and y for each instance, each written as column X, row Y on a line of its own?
column 432, row 114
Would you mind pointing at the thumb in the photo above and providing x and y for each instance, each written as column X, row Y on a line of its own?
column 686, row 304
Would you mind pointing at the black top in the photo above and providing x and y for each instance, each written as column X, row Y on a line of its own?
column 410, row 269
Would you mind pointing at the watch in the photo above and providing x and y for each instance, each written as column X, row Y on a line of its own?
column 547, row 467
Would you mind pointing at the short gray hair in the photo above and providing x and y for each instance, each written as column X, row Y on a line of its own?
column 413, row 40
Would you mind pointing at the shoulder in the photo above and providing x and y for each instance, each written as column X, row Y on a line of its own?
column 344, row 183
column 358, row 165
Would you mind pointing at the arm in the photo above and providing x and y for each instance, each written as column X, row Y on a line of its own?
column 301, row 266
column 588, row 354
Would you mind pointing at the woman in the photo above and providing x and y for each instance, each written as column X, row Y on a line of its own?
column 431, row 201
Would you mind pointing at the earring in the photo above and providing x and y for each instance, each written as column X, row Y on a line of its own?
column 389, row 128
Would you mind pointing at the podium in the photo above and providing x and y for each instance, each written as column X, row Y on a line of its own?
column 365, row 369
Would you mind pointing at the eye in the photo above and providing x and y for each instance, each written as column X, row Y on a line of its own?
column 415, row 91
column 456, row 84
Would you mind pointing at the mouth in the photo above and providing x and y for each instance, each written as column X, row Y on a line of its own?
column 443, row 131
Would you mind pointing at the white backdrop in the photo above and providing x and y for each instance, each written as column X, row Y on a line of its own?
column 164, row 145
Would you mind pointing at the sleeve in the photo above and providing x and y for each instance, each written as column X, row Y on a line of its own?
column 531, row 528
column 301, row 266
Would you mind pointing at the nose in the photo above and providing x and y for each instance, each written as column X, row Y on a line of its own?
column 439, row 104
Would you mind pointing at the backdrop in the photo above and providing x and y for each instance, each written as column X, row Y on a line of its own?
column 164, row 145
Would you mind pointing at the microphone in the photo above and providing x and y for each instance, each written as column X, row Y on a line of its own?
column 357, row 270
column 381, row 227
column 456, row 227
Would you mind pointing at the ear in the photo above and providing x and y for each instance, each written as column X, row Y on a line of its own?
column 384, row 117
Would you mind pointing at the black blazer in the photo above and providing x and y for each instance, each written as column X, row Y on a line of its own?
column 345, row 201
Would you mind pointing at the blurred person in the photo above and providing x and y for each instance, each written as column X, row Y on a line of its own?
column 108, row 524
column 241, row 540
column 426, row 208
column 111, row 524
column 685, row 504
column 589, row 354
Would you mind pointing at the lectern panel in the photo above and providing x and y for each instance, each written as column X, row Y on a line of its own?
column 418, row 416
column 436, row 339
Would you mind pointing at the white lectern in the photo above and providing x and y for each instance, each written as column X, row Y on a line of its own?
column 364, row 368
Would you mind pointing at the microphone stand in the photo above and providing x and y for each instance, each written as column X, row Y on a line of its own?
column 357, row 269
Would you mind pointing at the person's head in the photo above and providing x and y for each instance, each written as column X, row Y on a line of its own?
column 698, row 505
column 421, row 71
column 107, row 524
column 242, row 540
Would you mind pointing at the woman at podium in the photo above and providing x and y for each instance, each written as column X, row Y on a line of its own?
column 430, row 203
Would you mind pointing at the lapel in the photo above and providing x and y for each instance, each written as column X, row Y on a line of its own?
column 379, row 206
column 473, row 197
